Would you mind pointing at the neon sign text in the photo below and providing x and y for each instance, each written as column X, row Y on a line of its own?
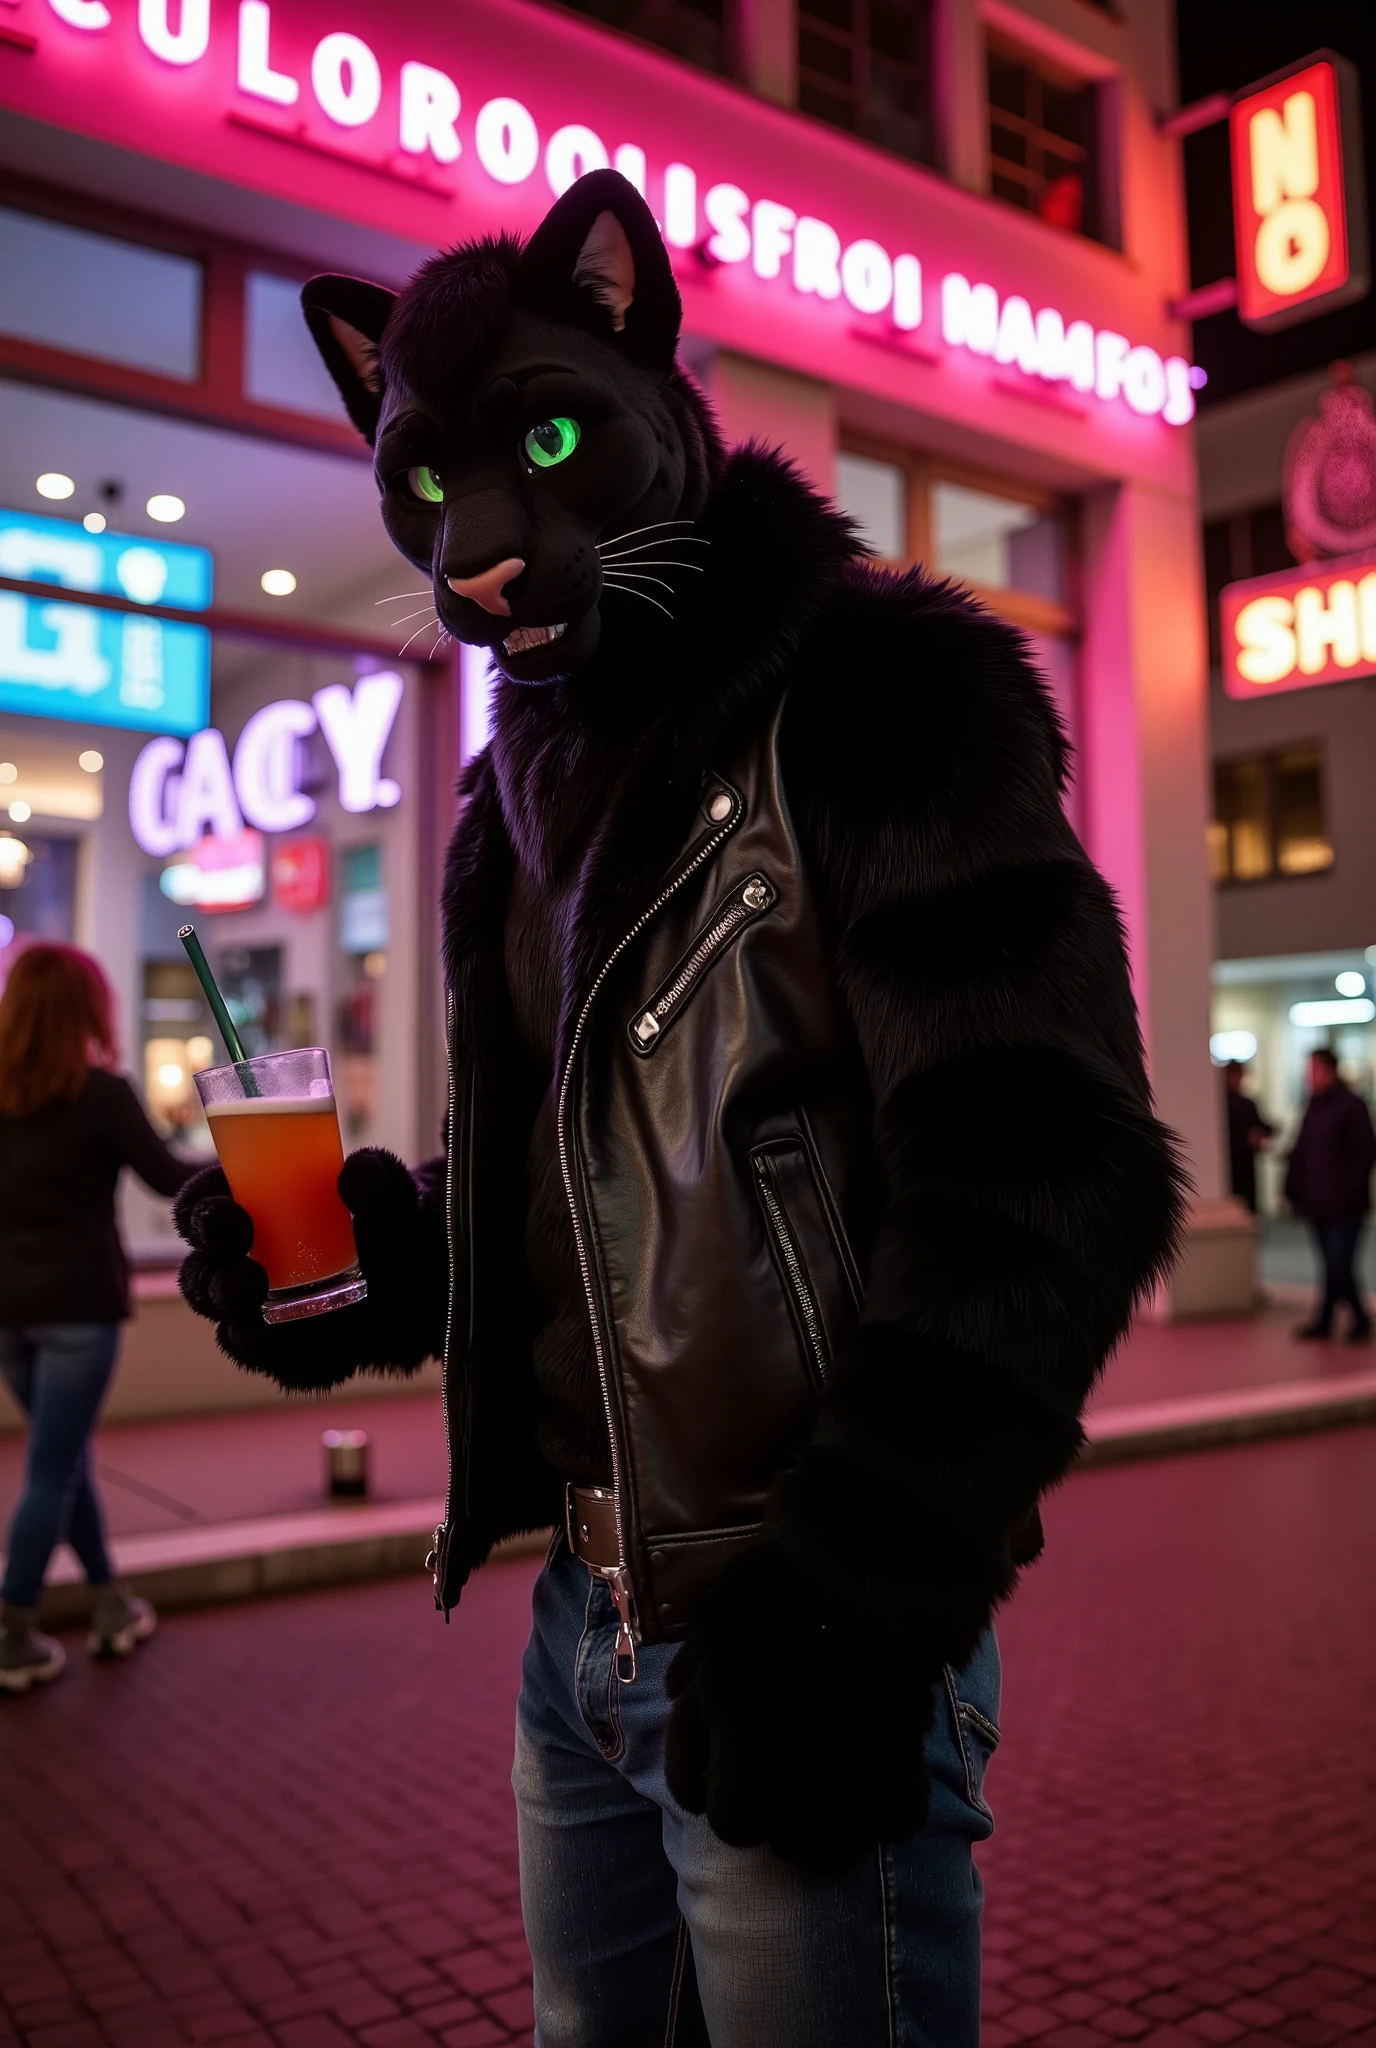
column 1289, row 632
column 181, row 793
column 1297, row 213
column 421, row 114
column 1092, row 360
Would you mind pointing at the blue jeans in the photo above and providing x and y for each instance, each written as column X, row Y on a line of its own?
column 1337, row 1239
column 58, row 1373
column 645, row 1928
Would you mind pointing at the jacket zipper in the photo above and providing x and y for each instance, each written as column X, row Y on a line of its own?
column 744, row 903
column 438, row 1560
column 620, row 1582
column 793, row 1264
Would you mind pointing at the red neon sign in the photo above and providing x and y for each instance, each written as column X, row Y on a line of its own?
column 1299, row 212
column 1291, row 632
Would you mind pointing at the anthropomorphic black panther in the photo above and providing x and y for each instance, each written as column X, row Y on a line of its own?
column 801, row 1168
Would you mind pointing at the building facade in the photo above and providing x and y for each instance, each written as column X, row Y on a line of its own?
column 929, row 246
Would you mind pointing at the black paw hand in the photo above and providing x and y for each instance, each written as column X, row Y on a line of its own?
column 218, row 1278
column 793, row 1724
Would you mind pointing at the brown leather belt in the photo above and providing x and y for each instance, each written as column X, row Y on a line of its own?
column 590, row 1524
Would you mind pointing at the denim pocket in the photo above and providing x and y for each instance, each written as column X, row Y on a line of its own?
column 973, row 1697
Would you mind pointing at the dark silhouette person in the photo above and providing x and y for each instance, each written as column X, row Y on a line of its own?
column 1328, row 1183
column 1248, row 1132
column 68, row 1125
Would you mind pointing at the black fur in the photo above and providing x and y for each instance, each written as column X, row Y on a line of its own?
column 1031, row 1199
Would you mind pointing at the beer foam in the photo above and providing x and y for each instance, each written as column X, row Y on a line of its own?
column 273, row 1105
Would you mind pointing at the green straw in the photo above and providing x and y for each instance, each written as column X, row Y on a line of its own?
column 234, row 1045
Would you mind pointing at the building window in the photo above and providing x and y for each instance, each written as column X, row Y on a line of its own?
column 1269, row 816
column 1043, row 143
column 695, row 31
column 865, row 65
column 95, row 295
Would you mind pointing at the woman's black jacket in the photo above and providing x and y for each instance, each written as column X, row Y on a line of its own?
column 61, row 1260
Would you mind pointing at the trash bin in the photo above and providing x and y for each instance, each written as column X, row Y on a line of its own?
column 346, row 1463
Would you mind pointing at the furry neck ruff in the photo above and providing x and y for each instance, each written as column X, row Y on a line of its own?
column 771, row 549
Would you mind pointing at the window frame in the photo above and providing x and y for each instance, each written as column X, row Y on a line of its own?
column 1096, row 225
column 1061, row 617
column 1270, row 760
column 216, row 396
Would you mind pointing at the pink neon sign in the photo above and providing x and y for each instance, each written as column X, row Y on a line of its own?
column 462, row 124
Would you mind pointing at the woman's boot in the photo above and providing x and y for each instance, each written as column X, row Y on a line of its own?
column 26, row 1657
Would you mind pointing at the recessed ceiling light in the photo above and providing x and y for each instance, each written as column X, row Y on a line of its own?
column 52, row 484
column 21, row 812
column 278, row 582
column 1350, row 983
column 166, row 508
column 91, row 761
column 94, row 522
column 8, row 772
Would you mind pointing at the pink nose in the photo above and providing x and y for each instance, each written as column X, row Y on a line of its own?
column 487, row 588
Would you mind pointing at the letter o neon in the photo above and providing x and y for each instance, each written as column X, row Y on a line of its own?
column 571, row 154
column 1144, row 380
column 357, row 102
column 1292, row 247
column 507, row 141
column 867, row 277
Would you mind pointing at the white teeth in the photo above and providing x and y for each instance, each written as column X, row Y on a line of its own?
column 526, row 637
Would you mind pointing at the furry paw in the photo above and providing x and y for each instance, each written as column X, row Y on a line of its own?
column 764, row 1736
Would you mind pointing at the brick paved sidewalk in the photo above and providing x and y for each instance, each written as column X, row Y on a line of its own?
column 289, row 1824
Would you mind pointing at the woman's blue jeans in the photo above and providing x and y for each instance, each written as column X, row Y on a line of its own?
column 645, row 1928
column 58, row 1373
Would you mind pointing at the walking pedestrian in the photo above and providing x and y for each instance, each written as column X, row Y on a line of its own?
column 1329, row 1183
column 1248, row 1132
column 68, row 1124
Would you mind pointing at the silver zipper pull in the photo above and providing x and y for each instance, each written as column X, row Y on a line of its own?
column 755, row 895
column 647, row 1028
column 623, row 1656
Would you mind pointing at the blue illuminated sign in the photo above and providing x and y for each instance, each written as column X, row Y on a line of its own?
column 60, row 660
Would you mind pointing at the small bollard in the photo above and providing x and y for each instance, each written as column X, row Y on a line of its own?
column 346, row 1463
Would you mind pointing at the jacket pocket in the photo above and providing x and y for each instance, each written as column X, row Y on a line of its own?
column 747, row 901
column 808, row 1247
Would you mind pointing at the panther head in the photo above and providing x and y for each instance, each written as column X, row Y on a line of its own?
column 538, row 450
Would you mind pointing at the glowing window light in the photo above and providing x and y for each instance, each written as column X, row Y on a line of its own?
column 52, row 484
column 1232, row 1045
column 1312, row 1016
column 166, row 508
column 1350, row 983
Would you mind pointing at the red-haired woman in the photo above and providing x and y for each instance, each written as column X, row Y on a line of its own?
column 68, row 1124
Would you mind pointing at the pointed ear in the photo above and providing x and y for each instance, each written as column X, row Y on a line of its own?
column 597, row 261
column 346, row 317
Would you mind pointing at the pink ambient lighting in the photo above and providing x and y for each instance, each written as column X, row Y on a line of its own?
column 792, row 241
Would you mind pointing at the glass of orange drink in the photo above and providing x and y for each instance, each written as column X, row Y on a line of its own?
column 276, row 1131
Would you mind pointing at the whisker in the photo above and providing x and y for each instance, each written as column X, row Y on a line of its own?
column 411, row 615
column 668, row 540
column 638, row 576
column 415, row 636
column 629, row 590
column 652, row 562
column 654, row 527
column 398, row 595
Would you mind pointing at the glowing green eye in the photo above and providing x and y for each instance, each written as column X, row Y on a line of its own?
column 423, row 483
column 552, row 441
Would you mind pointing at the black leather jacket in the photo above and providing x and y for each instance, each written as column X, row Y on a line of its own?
column 853, row 1122
column 848, row 1073
column 714, row 1143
